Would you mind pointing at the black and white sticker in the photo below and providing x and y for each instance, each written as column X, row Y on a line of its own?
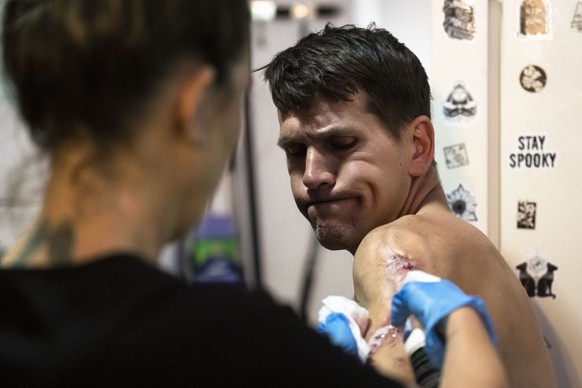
column 526, row 214
column 577, row 18
column 533, row 78
column 462, row 203
column 459, row 21
column 460, row 107
column 536, row 275
column 456, row 155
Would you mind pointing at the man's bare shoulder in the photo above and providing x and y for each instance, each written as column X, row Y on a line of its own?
column 435, row 242
column 436, row 228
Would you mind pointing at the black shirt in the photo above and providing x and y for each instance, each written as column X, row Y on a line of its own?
column 121, row 322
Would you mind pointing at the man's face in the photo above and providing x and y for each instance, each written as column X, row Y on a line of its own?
column 348, row 175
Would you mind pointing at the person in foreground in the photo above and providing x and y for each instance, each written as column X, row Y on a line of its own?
column 354, row 114
column 137, row 106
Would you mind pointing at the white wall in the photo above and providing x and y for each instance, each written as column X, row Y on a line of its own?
column 408, row 20
column 554, row 113
column 21, row 174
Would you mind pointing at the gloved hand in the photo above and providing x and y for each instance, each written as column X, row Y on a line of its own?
column 344, row 321
column 431, row 300
column 337, row 328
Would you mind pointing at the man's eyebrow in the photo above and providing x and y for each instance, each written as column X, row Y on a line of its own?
column 335, row 130
column 322, row 133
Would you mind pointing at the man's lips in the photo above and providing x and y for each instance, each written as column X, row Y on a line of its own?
column 326, row 201
column 321, row 201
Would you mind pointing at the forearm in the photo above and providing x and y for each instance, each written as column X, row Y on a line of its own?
column 390, row 358
column 471, row 360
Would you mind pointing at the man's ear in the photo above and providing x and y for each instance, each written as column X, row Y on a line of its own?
column 423, row 140
column 194, row 90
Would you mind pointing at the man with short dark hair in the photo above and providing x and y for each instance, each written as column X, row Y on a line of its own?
column 354, row 114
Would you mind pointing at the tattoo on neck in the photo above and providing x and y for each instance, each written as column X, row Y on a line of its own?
column 60, row 243
column 58, row 240
column 32, row 244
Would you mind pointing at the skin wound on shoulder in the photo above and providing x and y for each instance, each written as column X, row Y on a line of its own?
column 414, row 242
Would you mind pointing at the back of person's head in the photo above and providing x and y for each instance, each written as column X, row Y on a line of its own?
column 95, row 64
column 338, row 62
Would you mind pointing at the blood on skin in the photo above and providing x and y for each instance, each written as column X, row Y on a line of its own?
column 400, row 266
column 385, row 336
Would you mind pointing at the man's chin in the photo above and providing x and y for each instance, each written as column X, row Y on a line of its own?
column 332, row 245
column 335, row 239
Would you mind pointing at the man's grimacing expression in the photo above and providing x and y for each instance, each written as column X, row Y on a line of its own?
column 348, row 174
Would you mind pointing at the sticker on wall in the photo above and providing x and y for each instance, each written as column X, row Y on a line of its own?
column 459, row 20
column 533, row 78
column 532, row 154
column 577, row 19
column 462, row 203
column 456, row 155
column 534, row 19
column 460, row 107
column 526, row 215
column 536, row 275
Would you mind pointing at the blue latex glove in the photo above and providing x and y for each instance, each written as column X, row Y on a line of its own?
column 336, row 328
column 430, row 303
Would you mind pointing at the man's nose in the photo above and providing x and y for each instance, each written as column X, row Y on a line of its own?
column 318, row 168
